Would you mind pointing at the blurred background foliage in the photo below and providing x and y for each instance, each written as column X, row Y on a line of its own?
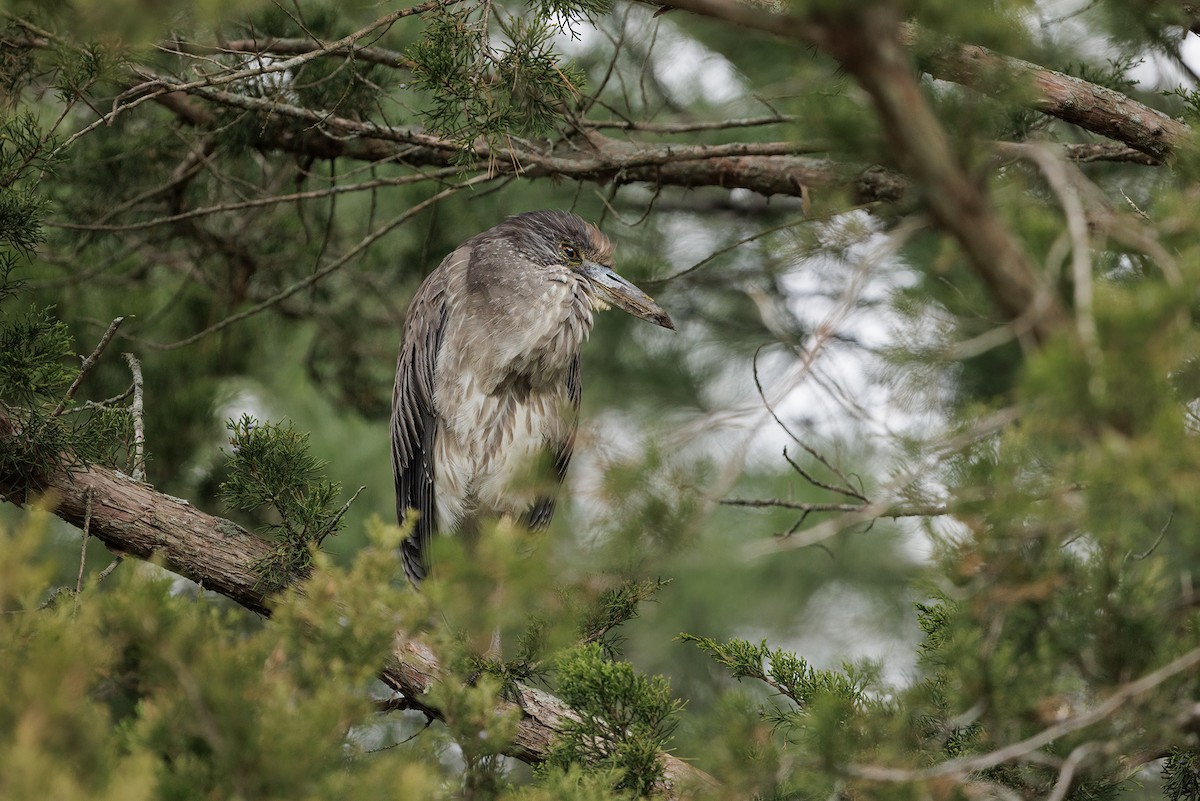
column 827, row 353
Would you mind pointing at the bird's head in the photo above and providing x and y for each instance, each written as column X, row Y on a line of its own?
column 560, row 239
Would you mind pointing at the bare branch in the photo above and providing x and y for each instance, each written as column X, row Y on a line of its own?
column 138, row 410
column 687, row 127
column 987, row 427
column 271, row 45
column 333, row 266
column 87, row 365
column 897, row 511
column 149, row 92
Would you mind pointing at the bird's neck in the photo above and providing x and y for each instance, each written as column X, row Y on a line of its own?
column 526, row 334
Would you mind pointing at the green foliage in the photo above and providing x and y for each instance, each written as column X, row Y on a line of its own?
column 1181, row 775
column 157, row 694
column 474, row 89
column 24, row 157
column 271, row 465
column 570, row 12
column 1063, row 575
column 615, row 606
column 1113, row 74
column 34, row 347
column 625, row 718
column 25, row 150
column 35, row 373
column 1190, row 98
column 574, row 784
column 785, row 672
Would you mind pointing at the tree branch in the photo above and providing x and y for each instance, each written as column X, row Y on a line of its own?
column 965, row 766
column 136, row 520
column 899, row 510
column 276, row 46
column 1093, row 108
column 868, row 45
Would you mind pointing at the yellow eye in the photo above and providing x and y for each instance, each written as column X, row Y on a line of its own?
column 570, row 252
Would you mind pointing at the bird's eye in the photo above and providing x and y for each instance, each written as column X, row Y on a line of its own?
column 570, row 252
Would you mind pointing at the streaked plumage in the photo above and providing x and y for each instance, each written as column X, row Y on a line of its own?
column 488, row 374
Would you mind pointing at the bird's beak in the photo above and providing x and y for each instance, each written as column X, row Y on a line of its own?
column 612, row 288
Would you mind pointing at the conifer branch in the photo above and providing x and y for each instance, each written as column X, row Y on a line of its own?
column 134, row 519
column 973, row 764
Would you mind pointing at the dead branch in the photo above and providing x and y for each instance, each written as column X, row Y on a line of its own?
column 899, row 510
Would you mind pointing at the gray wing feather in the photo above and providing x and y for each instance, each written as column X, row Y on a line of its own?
column 542, row 510
column 414, row 419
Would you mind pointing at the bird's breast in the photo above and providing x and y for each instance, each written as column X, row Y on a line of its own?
column 490, row 444
column 502, row 397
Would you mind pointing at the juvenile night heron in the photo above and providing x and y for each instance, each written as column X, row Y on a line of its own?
column 487, row 380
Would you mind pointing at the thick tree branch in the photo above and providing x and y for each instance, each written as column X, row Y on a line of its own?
column 134, row 519
column 770, row 168
column 1091, row 107
column 869, row 47
column 1094, row 108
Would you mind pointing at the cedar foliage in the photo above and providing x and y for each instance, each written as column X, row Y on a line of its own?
column 262, row 236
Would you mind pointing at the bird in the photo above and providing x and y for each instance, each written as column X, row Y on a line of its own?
column 487, row 377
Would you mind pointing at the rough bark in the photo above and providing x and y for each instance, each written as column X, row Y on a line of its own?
column 1091, row 107
column 135, row 519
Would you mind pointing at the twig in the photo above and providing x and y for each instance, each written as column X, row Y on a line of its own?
column 734, row 246
column 1081, row 263
column 137, row 409
column 689, row 127
column 987, row 427
column 429, row 719
column 847, row 489
column 445, row 172
column 87, row 525
column 1154, row 545
column 118, row 559
column 292, row 47
column 342, row 512
column 1066, row 774
column 929, row 510
column 87, row 365
column 969, row 765
column 337, row 264
column 107, row 402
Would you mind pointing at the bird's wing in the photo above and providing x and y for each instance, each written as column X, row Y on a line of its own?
column 414, row 421
column 542, row 510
